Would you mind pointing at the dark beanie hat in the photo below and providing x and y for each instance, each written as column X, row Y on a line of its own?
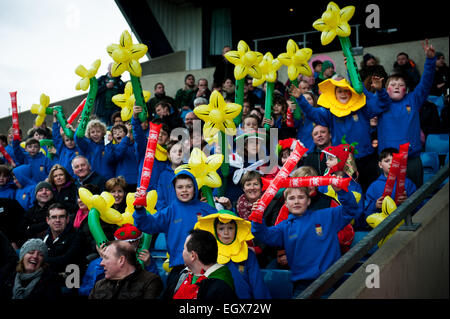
column 41, row 185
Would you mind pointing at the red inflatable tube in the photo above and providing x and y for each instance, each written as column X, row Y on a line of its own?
column 393, row 173
column 149, row 159
column 76, row 112
column 312, row 181
column 401, row 177
column 274, row 186
column 7, row 156
column 15, row 116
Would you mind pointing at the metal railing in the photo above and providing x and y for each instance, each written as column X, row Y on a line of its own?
column 324, row 282
column 303, row 35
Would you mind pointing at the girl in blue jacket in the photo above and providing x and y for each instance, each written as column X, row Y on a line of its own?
column 309, row 237
column 65, row 147
column 25, row 186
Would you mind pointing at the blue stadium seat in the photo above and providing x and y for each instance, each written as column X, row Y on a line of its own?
column 279, row 283
column 437, row 143
column 430, row 164
column 160, row 243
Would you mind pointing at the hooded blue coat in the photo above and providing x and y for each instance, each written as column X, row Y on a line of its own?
column 25, row 195
column 176, row 220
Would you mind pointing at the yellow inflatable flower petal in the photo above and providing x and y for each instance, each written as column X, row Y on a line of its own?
column 85, row 75
column 237, row 250
column 388, row 206
column 203, row 168
column 269, row 67
column 296, row 60
column 334, row 21
column 328, row 99
column 246, row 61
column 39, row 109
column 126, row 56
column 126, row 101
column 160, row 153
column 152, row 198
column 218, row 115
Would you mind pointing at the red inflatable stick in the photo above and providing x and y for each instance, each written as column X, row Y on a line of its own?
column 401, row 177
column 76, row 112
column 15, row 116
column 393, row 173
column 141, row 192
column 7, row 156
column 289, row 118
column 274, row 186
column 311, row 181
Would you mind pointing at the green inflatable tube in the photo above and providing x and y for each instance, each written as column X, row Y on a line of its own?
column 268, row 107
column 88, row 106
column 139, row 96
column 239, row 99
column 95, row 227
column 352, row 68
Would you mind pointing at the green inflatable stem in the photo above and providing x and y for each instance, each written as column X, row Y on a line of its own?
column 88, row 106
column 352, row 68
column 139, row 96
column 46, row 142
column 239, row 99
column 298, row 110
column 144, row 244
column 225, row 167
column 270, row 86
column 96, row 228
column 62, row 120
column 207, row 192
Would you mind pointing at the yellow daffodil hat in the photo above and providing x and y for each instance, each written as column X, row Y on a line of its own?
column 328, row 99
column 237, row 250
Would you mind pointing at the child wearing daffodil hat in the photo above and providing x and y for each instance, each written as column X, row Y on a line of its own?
column 232, row 234
column 348, row 115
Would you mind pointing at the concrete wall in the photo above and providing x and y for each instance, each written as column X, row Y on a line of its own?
column 170, row 70
column 412, row 264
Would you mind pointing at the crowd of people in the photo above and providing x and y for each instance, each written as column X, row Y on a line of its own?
column 44, row 225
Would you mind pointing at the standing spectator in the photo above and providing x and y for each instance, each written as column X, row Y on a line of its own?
column 25, row 186
column 185, row 95
column 441, row 77
column 406, row 67
column 159, row 95
column 108, row 86
column 224, row 69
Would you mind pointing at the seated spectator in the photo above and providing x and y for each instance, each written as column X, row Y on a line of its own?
column 370, row 66
column 11, row 215
column 64, row 188
column 85, row 174
column 159, row 95
column 124, row 277
column 406, row 67
column 322, row 138
column 7, row 186
column 203, row 278
column 32, row 279
column 185, row 95
column 25, row 186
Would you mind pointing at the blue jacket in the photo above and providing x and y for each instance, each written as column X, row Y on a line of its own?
column 304, row 129
column 176, row 220
column 40, row 164
column 140, row 146
column 25, row 195
column 165, row 190
column 310, row 240
column 355, row 126
column 248, row 280
column 123, row 160
column 96, row 154
column 65, row 155
column 8, row 190
column 376, row 190
column 401, row 123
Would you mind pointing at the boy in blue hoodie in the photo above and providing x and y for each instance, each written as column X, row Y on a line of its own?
column 309, row 237
column 25, row 186
column 176, row 220
column 374, row 195
column 121, row 155
column 40, row 164
column 400, row 123
column 7, row 186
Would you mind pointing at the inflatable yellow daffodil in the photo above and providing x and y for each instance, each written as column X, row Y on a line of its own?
column 387, row 208
column 237, row 250
column 86, row 75
column 296, row 60
column 40, row 109
column 126, row 56
column 334, row 21
column 152, row 198
column 103, row 203
column 126, row 101
column 328, row 98
column 203, row 168
column 269, row 67
column 245, row 60
column 218, row 115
